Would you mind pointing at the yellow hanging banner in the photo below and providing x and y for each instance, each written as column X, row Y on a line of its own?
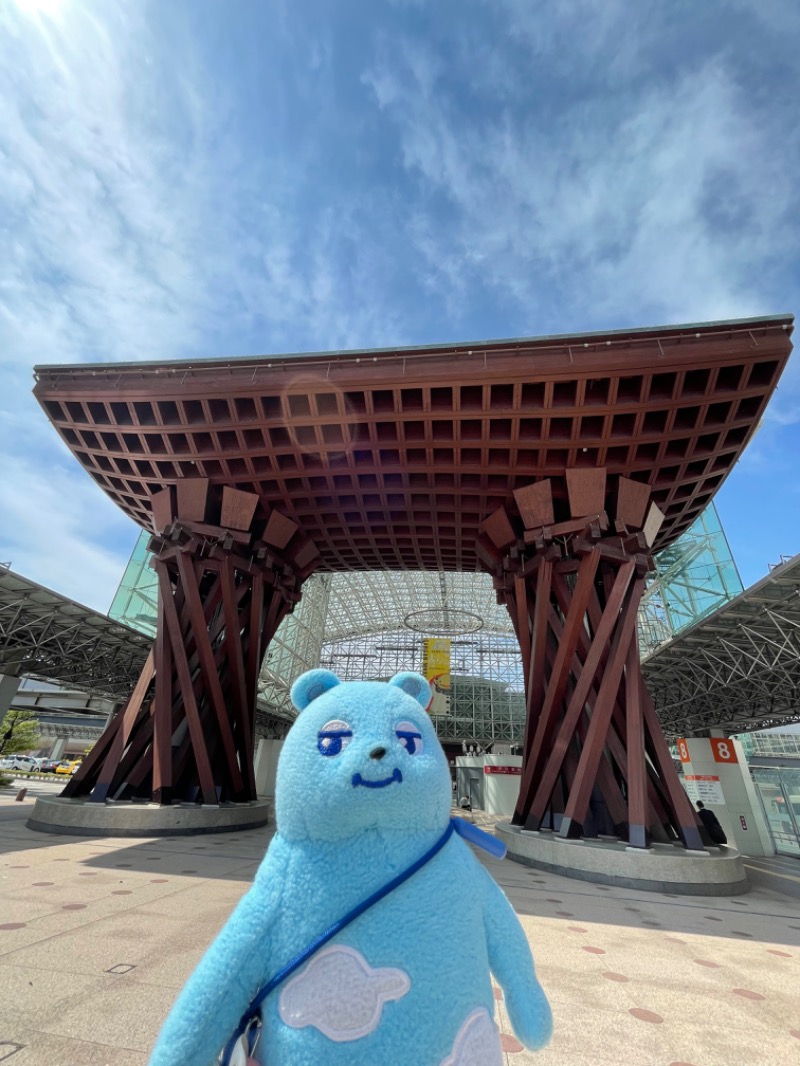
column 436, row 667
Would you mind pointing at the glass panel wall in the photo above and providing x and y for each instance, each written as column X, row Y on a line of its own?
column 779, row 789
column 136, row 600
column 694, row 576
column 773, row 745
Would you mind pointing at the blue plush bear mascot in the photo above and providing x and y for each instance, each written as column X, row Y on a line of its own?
column 363, row 800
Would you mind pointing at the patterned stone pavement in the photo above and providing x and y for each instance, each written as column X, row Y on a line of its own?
column 97, row 937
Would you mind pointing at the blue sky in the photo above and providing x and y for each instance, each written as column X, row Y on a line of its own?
column 195, row 178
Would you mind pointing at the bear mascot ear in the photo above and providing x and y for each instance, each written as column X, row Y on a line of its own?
column 311, row 685
column 414, row 685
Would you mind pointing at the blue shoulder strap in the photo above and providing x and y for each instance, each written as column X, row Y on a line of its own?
column 479, row 837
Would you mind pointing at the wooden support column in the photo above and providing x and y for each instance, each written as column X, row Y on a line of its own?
column 254, row 637
column 205, row 653
column 190, row 706
column 187, row 733
column 557, row 683
column 578, row 802
column 238, row 681
column 162, row 715
column 638, row 834
column 130, row 714
column 580, row 694
column 690, row 829
column 534, row 688
column 86, row 774
column 572, row 573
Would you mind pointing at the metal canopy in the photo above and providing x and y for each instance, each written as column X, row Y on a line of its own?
column 392, row 459
column 738, row 669
column 45, row 635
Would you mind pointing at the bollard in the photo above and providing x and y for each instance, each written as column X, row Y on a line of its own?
column 21, row 795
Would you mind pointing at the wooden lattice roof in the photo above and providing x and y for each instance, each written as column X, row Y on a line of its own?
column 391, row 459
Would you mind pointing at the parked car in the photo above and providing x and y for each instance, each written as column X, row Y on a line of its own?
column 48, row 766
column 25, row 763
column 68, row 766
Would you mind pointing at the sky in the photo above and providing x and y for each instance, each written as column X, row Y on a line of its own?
column 195, row 178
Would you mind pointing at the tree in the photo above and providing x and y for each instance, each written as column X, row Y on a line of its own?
column 19, row 731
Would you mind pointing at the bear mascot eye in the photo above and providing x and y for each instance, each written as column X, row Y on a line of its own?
column 410, row 737
column 334, row 737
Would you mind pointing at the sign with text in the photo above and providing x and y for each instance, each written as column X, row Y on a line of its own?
column 723, row 750
column 705, row 787
column 683, row 750
column 515, row 770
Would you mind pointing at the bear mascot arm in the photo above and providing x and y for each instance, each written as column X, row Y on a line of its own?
column 512, row 965
column 227, row 978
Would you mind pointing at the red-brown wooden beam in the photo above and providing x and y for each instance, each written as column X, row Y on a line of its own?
column 122, row 736
column 238, row 681
column 162, row 715
column 557, row 683
column 578, row 801
column 191, row 709
column 638, row 833
column 534, row 679
column 690, row 829
column 580, row 694
column 211, row 680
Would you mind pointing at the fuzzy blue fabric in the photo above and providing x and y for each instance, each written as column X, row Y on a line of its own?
column 363, row 790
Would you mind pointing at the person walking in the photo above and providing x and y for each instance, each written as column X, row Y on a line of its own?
column 711, row 822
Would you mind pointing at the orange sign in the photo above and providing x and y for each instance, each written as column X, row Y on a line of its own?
column 683, row 751
column 723, row 750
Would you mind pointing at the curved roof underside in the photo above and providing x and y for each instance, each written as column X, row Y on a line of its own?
column 392, row 459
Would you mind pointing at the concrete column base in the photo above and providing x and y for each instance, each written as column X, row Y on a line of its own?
column 660, row 868
column 78, row 817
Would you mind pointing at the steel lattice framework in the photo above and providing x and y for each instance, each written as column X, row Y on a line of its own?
column 370, row 632
column 45, row 635
column 738, row 669
column 380, row 602
column 294, row 649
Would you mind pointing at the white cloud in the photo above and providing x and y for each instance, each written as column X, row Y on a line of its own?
column 635, row 201
column 136, row 223
column 56, row 527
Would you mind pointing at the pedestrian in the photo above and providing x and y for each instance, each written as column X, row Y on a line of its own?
column 711, row 822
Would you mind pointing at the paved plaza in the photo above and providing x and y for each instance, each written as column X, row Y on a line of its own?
column 98, row 935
